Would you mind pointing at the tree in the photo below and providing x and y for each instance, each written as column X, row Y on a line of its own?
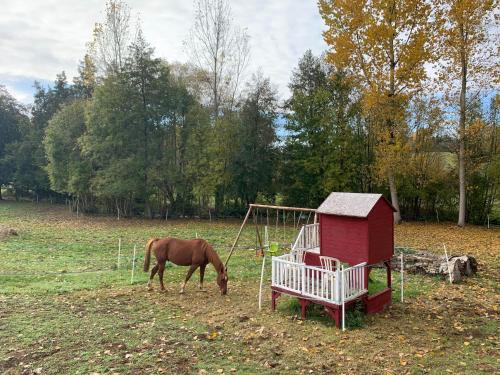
column 384, row 46
column 425, row 174
column 30, row 175
column 468, row 58
column 133, row 125
column 13, row 122
column 481, row 159
column 69, row 172
column 85, row 83
column 111, row 39
column 324, row 149
column 253, row 168
column 219, row 48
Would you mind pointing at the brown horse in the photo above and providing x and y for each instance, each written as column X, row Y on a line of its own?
column 194, row 253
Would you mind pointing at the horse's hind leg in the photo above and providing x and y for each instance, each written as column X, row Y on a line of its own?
column 188, row 276
column 153, row 273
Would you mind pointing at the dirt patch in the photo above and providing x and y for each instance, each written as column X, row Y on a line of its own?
column 7, row 232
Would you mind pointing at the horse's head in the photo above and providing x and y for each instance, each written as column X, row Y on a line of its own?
column 222, row 281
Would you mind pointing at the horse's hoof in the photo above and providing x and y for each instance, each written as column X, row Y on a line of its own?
column 181, row 292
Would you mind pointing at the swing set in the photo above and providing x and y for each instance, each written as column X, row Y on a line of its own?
column 263, row 224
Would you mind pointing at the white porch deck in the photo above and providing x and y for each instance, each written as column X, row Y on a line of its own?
column 289, row 273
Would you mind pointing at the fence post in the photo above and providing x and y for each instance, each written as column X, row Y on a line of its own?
column 261, row 280
column 342, row 297
column 119, row 252
column 133, row 267
column 402, row 277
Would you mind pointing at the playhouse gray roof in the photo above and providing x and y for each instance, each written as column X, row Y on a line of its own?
column 350, row 204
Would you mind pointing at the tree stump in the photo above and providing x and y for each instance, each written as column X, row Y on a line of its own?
column 431, row 264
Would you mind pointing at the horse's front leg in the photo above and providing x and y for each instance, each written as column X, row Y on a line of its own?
column 188, row 276
column 153, row 273
column 202, row 275
column 161, row 268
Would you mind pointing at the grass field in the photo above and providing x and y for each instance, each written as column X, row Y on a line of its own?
column 66, row 308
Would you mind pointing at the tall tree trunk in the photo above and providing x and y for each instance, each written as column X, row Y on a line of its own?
column 394, row 198
column 392, row 93
column 461, row 136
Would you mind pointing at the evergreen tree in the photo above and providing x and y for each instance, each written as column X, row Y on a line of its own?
column 13, row 121
column 324, row 149
column 254, row 165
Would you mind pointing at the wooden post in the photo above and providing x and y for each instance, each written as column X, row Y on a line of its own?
column 447, row 263
column 238, row 235
column 259, row 239
column 266, row 237
column 284, row 223
column 389, row 278
column 277, row 222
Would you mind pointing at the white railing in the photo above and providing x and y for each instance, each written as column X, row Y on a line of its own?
column 286, row 273
column 318, row 283
column 308, row 237
column 354, row 281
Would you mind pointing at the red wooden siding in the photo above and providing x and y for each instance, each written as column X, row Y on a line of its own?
column 312, row 259
column 381, row 232
column 378, row 301
column 344, row 238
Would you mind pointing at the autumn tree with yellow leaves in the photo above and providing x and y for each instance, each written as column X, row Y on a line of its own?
column 384, row 46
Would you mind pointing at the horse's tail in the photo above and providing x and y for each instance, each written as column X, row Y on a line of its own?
column 147, row 256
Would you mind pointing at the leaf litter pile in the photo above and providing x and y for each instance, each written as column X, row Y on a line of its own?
column 96, row 322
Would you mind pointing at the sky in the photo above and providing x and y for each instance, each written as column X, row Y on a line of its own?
column 39, row 39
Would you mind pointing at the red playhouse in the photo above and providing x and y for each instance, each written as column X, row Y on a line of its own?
column 331, row 259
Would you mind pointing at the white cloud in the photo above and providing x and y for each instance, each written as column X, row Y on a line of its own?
column 41, row 38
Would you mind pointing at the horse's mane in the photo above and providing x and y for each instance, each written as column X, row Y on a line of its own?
column 213, row 257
